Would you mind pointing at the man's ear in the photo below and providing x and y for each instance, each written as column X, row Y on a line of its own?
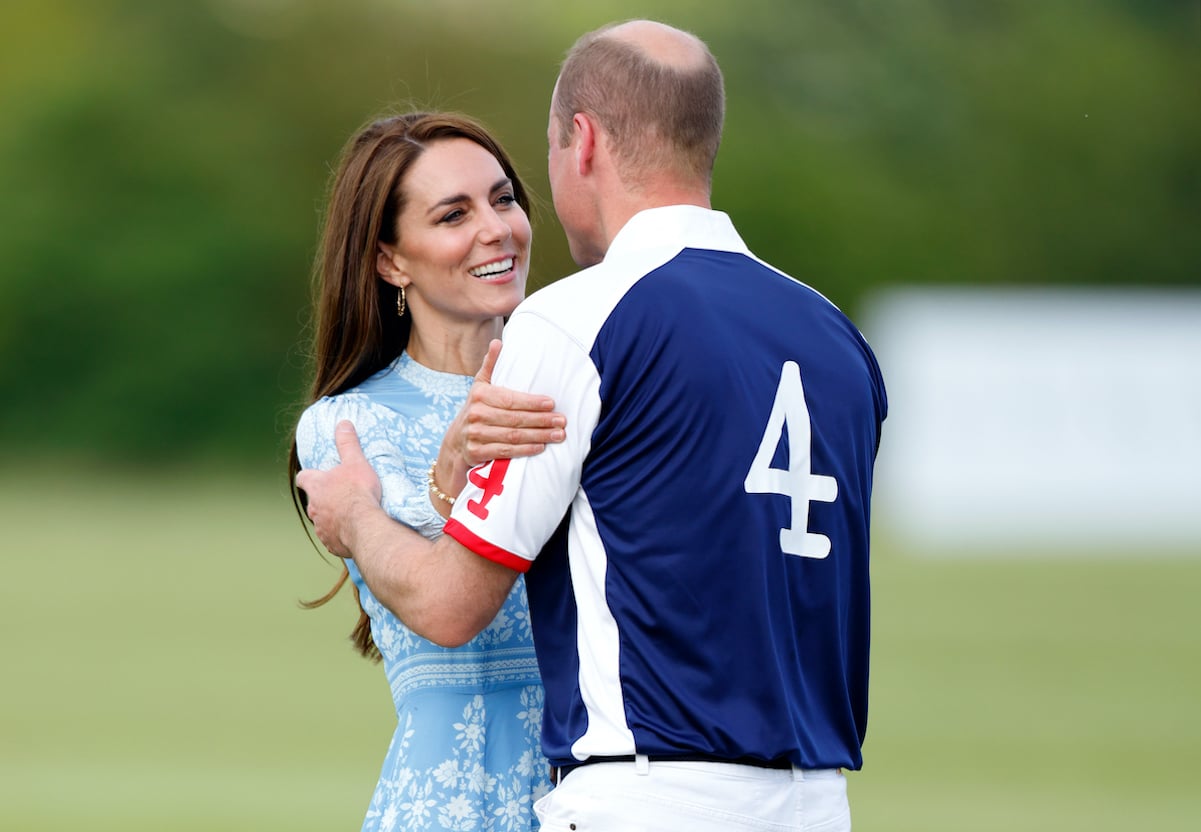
column 389, row 265
column 586, row 137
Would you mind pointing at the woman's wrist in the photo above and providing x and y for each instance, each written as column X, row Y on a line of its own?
column 437, row 493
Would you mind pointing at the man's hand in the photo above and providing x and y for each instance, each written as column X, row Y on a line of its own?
column 442, row 591
column 335, row 497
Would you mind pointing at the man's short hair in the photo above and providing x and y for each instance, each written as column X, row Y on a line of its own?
column 658, row 116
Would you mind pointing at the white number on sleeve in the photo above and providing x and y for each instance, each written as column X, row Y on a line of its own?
column 798, row 482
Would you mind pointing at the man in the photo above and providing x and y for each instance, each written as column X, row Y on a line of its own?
column 697, row 548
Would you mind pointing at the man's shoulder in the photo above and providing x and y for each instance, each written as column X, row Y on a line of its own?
column 565, row 289
column 609, row 279
column 581, row 303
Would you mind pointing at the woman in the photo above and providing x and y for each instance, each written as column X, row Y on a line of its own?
column 425, row 250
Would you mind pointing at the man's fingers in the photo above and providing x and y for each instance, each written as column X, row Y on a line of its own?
column 304, row 479
column 347, row 442
column 485, row 373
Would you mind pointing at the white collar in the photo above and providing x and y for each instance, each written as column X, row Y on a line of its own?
column 677, row 226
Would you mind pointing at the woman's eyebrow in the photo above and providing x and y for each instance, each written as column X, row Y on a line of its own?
column 454, row 199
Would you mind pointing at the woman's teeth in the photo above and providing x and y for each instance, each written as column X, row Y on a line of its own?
column 498, row 267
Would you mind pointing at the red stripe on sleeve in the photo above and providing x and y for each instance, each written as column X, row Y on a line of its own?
column 485, row 549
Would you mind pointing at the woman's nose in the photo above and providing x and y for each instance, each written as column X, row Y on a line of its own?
column 494, row 228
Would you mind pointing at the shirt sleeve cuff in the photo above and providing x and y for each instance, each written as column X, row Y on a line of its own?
column 485, row 549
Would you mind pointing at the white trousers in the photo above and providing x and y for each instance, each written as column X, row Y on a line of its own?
column 695, row 797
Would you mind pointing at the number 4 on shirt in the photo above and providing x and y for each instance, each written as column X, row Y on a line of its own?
column 798, row 483
column 493, row 484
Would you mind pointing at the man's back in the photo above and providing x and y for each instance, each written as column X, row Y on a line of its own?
column 718, row 542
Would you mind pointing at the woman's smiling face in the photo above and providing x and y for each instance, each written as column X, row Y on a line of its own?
column 463, row 242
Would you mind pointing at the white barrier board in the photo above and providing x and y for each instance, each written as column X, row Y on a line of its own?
column 1038, row 419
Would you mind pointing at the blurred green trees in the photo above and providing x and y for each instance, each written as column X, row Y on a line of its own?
column 163, row 167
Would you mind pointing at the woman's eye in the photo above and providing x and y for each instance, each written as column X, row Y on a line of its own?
column 452, row 216
column 506, row 199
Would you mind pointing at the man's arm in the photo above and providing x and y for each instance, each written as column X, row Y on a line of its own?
column 441, row 590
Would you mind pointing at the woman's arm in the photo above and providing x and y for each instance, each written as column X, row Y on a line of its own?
column 495, row 423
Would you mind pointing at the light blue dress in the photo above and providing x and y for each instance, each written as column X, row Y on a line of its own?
column 466, row 754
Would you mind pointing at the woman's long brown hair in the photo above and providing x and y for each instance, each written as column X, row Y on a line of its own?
column 358, row 332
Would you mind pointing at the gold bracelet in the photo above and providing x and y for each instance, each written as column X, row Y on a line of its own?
column 434, row 489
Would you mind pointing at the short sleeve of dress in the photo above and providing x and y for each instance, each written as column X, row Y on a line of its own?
column 403, row 498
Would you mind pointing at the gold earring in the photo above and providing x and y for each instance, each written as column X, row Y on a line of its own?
column 400, row 302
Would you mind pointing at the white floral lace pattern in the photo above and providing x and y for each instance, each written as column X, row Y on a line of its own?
column 462, row 792
column 466, row 752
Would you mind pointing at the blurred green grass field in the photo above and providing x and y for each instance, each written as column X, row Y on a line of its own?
column 158, row 675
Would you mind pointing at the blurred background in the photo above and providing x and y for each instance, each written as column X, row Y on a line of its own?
column 962, row 178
